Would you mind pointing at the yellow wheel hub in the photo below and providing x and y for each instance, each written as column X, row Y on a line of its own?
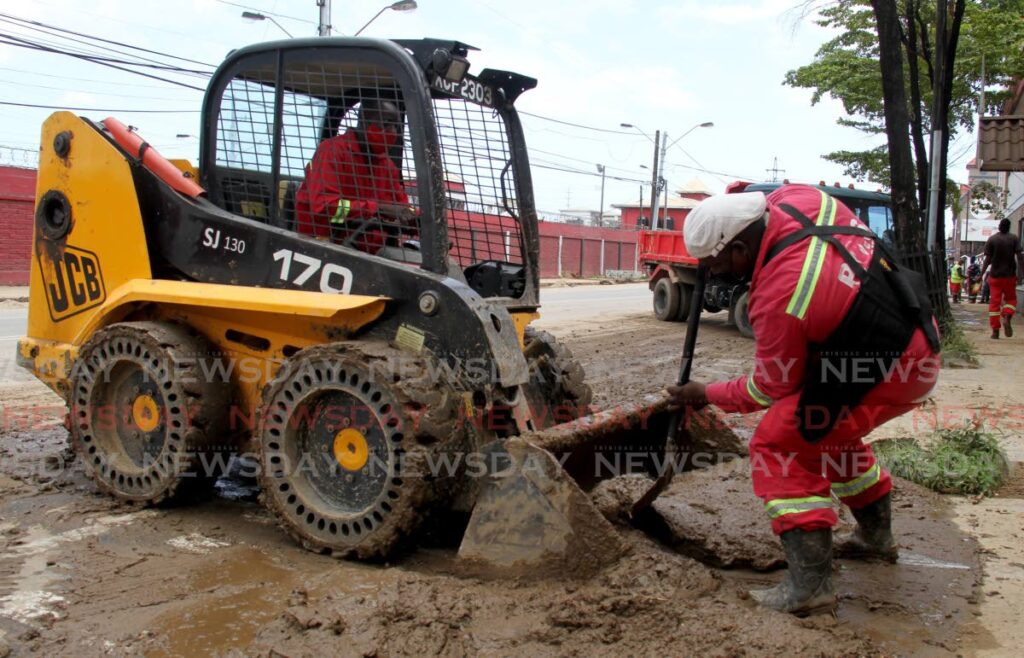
column 350, row 449
column 145, row 413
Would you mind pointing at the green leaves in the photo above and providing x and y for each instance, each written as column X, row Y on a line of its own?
column 846, row 68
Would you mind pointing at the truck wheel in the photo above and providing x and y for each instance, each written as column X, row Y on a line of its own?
column 348, row 445
column 146, row 413
column 666, row 300
column 685, row 299
column 741, row 316
column 557, row 377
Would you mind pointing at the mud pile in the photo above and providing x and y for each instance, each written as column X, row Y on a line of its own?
column 650, row 603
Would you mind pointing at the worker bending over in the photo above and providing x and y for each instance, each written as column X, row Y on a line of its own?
column 845, row 341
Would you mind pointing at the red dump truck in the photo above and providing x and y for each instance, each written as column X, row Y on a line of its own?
column 672, row 271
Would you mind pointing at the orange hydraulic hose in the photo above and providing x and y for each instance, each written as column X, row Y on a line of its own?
column 158, row 164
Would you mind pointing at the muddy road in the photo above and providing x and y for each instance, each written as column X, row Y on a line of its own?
column 81, row 574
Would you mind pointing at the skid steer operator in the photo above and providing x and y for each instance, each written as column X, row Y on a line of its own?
column 352, row 180
column 845, row 341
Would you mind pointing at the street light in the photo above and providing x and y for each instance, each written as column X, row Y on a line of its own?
column 255, row 16
column 706, row 124
column 402, row 5
column 636, row 128
column 656, row 173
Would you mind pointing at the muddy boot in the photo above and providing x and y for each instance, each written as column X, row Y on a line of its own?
column 873, row 536
column 1007, row 326
column 995, row 333
column 807, row 587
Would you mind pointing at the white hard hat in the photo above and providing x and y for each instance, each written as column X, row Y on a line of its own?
column 718, row 219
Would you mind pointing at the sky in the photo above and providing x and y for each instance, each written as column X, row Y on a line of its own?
column 658, row 65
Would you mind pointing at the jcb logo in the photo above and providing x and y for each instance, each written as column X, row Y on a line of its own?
column 73, row 282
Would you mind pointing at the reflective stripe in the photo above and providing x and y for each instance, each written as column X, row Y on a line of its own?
column 813, row 262
column 754, row 392
column 859, row 484
column 782, row 506
column 344, row 206
column 993, row 314
column 1010, row 306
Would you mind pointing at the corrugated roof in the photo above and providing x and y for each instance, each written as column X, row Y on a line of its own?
column 1001, row 143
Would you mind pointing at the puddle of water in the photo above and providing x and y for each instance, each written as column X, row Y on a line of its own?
column 197, row 543
column 917, row 560
column 254, row 590
column 31, row 599
column 248, row 589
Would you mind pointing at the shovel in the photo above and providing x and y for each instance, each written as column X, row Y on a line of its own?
column 674, row 441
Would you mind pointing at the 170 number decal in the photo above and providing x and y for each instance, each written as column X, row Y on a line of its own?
column 334, row 278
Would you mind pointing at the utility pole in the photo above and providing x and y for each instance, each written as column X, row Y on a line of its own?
column 600, row 212
column 775, row 171
column 654, row 182
column 641, row 213
column 324, row 28
column 938, row 125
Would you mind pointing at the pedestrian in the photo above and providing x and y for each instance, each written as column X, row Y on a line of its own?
column 973, row 280
column 1006, row 263
column 845, row 341
column 986, row 269
column 956, row 281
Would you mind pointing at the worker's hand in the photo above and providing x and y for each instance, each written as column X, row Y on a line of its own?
column 691, row 394
column 397, row 211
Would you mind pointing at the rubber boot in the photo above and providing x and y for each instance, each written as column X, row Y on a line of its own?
column 873, row 537
column 807, row 587
column 1008, row 325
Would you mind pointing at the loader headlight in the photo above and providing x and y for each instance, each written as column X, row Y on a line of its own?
column 451, row 67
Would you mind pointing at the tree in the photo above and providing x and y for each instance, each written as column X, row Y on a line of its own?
column 886, row 66
column 847, row 69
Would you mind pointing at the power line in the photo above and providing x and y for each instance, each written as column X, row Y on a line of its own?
column 268, row 13
column 96, row 60
column 100, row 39
column 87, row 91
column 576, row 125
column 97, row 109
column 78, row 79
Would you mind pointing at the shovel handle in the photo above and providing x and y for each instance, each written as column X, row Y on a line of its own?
column 692, row 323
column 672, row 440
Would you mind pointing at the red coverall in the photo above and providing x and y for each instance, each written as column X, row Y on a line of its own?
column 342, row 184
column 794, row 303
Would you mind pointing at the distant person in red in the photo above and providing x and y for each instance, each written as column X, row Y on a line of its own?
column 1006, row 269
column 352, row 180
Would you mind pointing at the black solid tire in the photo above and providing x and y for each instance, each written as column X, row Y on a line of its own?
column 556, row 377
column 666, row 300
column 409, row 419
column 741, row 315
column 171, row 366
column 685, row 299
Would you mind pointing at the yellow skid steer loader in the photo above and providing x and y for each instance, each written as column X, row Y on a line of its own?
column 344, row 287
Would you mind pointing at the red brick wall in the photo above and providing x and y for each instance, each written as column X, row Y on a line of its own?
column 17, row 196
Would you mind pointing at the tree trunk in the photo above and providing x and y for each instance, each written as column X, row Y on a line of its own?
column 906, row 214
column 917, row 47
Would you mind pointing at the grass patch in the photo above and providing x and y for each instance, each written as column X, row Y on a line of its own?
column 956, row 345
column 966, row 460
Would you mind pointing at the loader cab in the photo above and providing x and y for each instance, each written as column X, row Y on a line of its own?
column 284, row 144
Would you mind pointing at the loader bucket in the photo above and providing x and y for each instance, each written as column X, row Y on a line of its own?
column 532, row 515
